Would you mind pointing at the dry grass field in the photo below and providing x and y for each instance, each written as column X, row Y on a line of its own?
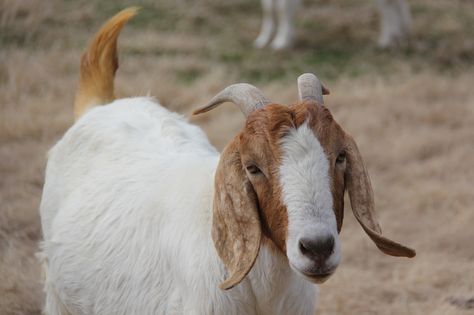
column 411, row 112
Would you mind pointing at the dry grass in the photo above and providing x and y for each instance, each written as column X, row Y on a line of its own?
column 411, row 111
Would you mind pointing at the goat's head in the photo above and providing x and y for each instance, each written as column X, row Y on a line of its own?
column 281, row 181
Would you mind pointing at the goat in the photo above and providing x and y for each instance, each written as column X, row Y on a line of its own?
column 395, row 23
column 141, row 215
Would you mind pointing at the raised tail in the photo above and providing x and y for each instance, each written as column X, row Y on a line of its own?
column 99, row 64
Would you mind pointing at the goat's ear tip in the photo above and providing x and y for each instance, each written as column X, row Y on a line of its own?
column 407, row 252
column 398, row 250
column 226, row 285
column 198, row 111
column 411, row 253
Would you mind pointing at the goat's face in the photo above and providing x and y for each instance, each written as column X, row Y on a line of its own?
column 281, row 182
column 294, row 158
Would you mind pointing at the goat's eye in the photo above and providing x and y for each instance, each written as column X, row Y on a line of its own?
column 341, row 158
column 252, row 169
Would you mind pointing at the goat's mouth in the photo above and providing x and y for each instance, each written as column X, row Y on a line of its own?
column 318, row 278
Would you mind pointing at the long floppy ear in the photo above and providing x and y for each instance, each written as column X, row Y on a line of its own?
column 236, row 230
column 362, row 202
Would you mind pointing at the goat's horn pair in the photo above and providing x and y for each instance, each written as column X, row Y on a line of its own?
column 311, row 89
column 246, row 96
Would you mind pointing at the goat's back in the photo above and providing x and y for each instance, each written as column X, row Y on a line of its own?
column 123, row 206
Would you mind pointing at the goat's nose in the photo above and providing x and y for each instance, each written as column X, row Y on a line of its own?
column 317, row 249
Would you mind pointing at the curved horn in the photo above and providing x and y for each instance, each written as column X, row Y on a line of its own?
column 311, row 89
column 246, row 96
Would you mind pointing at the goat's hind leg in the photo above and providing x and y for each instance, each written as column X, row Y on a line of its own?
column 268, row 24
column 395, row 22
column 286, row 10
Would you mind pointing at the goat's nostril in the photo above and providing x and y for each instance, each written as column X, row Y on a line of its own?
column 318, row 248
column 304, row 247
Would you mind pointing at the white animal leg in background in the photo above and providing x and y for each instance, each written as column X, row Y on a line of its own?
column 395, row 21
column 268, row 24
column 285, row 10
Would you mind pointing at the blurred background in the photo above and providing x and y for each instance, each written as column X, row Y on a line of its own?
column 411, row 110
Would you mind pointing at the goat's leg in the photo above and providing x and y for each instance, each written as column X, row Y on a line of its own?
column 285, row 10
column 395, row 22
column 268, row 24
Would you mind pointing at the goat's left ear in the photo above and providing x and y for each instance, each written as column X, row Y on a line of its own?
column 362, row 202
column 236, row 230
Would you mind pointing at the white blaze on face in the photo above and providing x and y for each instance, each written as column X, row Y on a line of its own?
column 306, row 192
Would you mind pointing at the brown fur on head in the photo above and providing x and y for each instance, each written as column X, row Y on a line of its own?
column 259, row 144
column 251, row 204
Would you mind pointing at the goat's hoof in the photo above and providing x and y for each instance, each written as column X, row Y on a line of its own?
column 394, row 41
column 384, row 44
column 261, row 42
column 281, row 44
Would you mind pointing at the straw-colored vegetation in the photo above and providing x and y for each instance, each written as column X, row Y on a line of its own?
column 411, row 111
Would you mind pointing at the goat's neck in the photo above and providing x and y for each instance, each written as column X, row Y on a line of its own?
column 277, row 287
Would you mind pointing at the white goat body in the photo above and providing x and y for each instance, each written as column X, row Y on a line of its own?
column 133, row 173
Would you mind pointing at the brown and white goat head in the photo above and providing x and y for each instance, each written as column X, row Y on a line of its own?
column 281, row 182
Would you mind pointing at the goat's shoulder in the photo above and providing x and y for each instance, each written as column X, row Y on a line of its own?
column 141, row 116
column 130, row 125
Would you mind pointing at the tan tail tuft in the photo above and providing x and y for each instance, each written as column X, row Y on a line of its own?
column 99, row 64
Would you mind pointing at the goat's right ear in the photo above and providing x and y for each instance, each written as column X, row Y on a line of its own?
column 236, row 230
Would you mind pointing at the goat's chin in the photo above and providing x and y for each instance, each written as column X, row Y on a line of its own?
column 317, row 279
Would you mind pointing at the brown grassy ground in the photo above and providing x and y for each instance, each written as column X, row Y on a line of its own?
column 411, row 111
